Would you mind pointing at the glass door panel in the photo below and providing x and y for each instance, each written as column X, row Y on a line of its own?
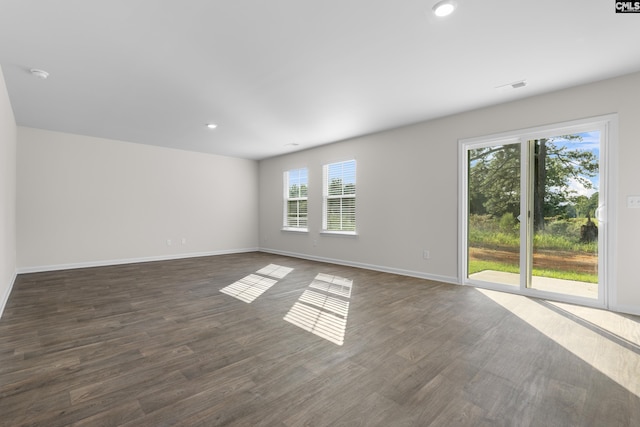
column 564, row 199
column 493, row 211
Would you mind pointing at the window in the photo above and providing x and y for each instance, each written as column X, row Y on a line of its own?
column 295, row 199
column 339, row 202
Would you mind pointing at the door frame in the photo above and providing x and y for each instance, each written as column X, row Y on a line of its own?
column 607, row 212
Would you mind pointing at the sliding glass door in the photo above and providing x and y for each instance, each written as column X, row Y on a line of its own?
column 533, row 219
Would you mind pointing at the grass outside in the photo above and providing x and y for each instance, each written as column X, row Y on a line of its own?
column 476, row 266
column 561, row 235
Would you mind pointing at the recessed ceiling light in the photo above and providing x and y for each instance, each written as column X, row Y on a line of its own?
column 444, row 8
column 41, row 74
column 212, row 125
column 291, row 144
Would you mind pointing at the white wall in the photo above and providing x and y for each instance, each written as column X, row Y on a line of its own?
column 7, row 195
column 92, row 201
column 417, row 167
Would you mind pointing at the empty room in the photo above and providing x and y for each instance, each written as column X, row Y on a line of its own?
column 319, row 213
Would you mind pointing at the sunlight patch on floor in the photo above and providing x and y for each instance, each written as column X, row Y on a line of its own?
column 318, row 322
column 323, row 313
column 607, row 341
column 326, row 302
column 276, row 271
column 332, row 284
column 249, row 288
column 252, row 286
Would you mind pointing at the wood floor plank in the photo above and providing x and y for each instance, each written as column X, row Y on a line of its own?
column 157, row 343
column 117, row 416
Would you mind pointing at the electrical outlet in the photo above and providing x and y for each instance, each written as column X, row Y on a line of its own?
column 184, row 240
column 426, row 254
column 168, row 242
column 633, row 201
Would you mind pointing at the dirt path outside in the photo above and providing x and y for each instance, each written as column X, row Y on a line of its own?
column 555, row 260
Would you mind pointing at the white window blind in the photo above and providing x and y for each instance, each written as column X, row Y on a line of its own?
column 296, row 183
column 339, row 201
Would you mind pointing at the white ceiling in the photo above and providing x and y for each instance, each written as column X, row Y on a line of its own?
column 272, row 73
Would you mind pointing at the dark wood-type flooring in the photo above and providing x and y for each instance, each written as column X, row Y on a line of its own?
column 158, row 344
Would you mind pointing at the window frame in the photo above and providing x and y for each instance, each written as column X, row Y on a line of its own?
column 287, row 199
column 607, row 125
column 326, row 197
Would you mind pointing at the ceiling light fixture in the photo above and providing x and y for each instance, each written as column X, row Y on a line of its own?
column 444, row 8
column 41, row 74
column 212, row 125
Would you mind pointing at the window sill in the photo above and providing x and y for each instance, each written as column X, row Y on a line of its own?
column 295, row 230
column 339, row 233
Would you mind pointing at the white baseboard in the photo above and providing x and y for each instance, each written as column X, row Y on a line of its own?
column 44, row 268
column 384, row 269
column 5, row 297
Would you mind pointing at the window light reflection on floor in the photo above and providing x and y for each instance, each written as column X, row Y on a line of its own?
column 332, row 284
column 318, row 322
column 252, row 286
column 324, row 313
column 325, row 302
column 249, row 288
column 589, row 327
column 276, row 271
